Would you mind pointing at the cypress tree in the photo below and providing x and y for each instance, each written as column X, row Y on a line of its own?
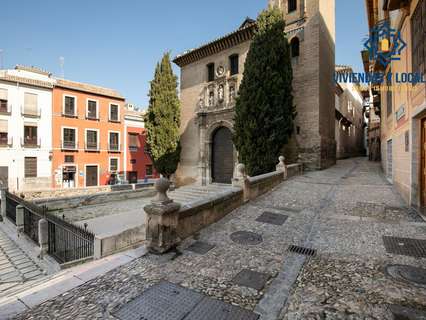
column 264, row 110
column 163, row 119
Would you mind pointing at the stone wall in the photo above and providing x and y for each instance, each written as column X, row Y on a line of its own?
column 94, row 198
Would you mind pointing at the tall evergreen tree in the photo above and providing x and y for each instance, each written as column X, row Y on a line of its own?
column 264, row 110
column 163, row 119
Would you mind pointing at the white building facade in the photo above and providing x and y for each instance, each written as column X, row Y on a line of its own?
column 26, row 128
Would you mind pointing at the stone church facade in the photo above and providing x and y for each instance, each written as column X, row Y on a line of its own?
column 212, row 73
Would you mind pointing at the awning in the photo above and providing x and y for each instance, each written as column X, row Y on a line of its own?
column 3, row 126
column 30, row 103
column 3, row 94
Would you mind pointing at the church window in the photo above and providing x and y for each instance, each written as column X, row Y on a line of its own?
column 292, row 5
column 295, row 47
column 233, row 62
column 210, row 72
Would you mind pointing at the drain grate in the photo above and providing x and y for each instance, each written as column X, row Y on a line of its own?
column 251, row 279
column 405, row 246
column 302, row 250
column 410, row 274
column 200, row 247
column 246, row 238
column 272, row 218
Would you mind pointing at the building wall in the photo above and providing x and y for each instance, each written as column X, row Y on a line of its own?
column 81, row 156
column 313, row 70
column 137, row 160
column 405, row 173
column 13, row 157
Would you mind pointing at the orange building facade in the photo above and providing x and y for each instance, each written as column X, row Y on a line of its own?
column 88, row 135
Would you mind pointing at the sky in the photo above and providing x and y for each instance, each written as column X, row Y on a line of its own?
column 116, row 44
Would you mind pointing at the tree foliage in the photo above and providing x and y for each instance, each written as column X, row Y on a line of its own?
column 264, row 110
column 163, row 119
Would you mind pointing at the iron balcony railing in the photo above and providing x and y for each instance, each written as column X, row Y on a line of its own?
column 69, row 113
column 91, row 146
column 69, row 145
column 30, row 142
column 115, row 147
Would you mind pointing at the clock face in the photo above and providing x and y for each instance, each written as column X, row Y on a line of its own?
column 220, row 70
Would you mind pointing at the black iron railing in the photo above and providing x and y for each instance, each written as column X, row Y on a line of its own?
column 66, row 242
column 11, row 202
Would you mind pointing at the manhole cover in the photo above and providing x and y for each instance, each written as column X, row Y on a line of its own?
column 251, row 279
column 272, row 218
column 413, row 275
column 164, row 301
column 404, row 313
column 246, row 238
column 405, row 246
column 200, row 247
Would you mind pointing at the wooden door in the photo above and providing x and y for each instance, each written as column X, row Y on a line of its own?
column 91, row 176
column 222, row 156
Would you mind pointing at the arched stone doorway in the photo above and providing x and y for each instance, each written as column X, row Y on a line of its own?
column 222, row 156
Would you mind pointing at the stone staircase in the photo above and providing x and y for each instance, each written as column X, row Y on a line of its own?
column 192, row 193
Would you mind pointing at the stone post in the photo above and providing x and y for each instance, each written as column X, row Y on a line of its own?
column 281, row 166
column 3, row 202
column 19, row 218
column 241, row 180
column 43, row 236
column 162, row 220
column 300, row 161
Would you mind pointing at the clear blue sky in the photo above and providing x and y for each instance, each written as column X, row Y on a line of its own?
column 117, row 43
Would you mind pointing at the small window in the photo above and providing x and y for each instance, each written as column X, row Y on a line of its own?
column 210, row 72
column 114, row 141
column 69, row 108
column 133, row 141
column 295, row 47
column 30, row 135
column 418, row 27
column 133, row 161
column 114, row 113
column 69, row 136
column 149, row 170
column 92, row 109
column 91, row 140
column 30, row 167
column 292, row 5
column 69, row 159
column 113, row 164
column 233, row 64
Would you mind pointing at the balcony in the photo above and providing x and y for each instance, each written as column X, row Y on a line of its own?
column 114, row 119
column 92, row 117
column 30, row 113
column 91, row 146
column 30, row 142
column 113, row 147
column 69, row 113
column 6, row 142
column 69, row 145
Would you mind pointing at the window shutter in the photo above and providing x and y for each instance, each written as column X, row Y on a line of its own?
column 3, row 94
column 30, row 167
column 30, row 103
column 3, row 126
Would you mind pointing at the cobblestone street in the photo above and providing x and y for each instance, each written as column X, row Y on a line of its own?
column 343, row 213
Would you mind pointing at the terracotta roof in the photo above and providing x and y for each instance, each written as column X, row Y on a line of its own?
column 31, row 82
column 32, row 69
column 244, row 33
column 84, row 87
